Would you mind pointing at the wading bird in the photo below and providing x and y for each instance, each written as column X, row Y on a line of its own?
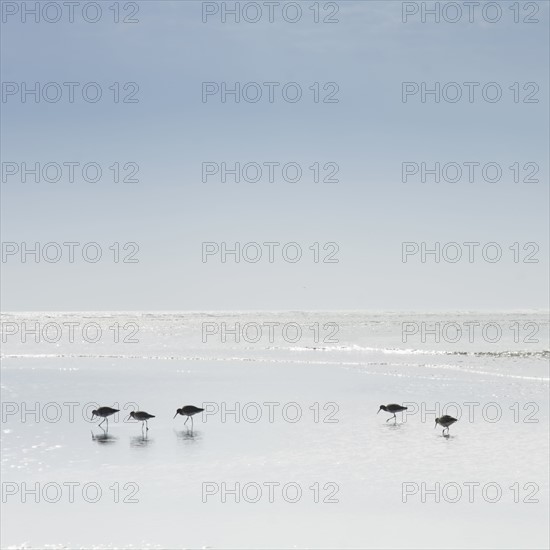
column 445, row 421
column 142, row 416
column 104, row 412
column 392, row 408
column 189, row 411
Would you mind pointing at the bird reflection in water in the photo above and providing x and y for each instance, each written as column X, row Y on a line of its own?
column 104, row 437
column 188, row 435
column 140, row 441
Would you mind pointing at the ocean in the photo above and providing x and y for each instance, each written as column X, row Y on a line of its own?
column 291, row 450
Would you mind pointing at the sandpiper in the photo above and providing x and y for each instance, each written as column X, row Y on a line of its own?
column 189, row 411
column 142, row 416
column 445, row 421
column 392, row 408
column 104, row 412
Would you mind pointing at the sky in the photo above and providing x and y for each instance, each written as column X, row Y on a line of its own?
column 350, row 232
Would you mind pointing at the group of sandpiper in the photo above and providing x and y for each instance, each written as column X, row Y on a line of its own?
column 190, row 410
column 143, row 417
column 444, row 421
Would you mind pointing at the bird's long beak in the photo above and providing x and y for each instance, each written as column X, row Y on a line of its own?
column 435, row 426
column 175, row 415
column 128, row 418
column 378, row 411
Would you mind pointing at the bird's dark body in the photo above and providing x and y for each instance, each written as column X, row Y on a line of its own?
column 104, row 412
column 392, row 408
column 190, row 410
column 141, row 415
column 445, row 421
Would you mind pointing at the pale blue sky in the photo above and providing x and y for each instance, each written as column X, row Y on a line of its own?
column 369, row 133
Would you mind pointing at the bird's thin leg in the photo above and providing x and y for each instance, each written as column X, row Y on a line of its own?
column 186, row 421
column 192, row 425
column 146, row 425
column 102, row 422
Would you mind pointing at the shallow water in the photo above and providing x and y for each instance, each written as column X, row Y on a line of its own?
column 324, row 438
